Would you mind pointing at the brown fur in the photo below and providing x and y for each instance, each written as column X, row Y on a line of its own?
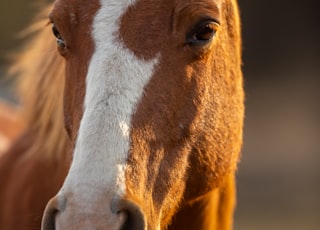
column 199, row 100
column 80, row 47
column 212, row 211
column 201, row 193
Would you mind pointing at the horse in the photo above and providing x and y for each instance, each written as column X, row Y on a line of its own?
column 134, row 122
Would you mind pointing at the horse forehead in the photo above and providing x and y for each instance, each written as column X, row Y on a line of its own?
column 147, row 17
column 76, row 10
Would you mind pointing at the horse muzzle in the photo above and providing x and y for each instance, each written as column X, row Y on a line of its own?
column 121, row 214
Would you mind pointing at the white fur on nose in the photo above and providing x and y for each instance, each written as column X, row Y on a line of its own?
column 114, row 85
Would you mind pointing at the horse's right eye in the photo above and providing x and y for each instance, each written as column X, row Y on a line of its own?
column 60, row 41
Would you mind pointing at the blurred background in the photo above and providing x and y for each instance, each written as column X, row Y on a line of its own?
column 279, row 174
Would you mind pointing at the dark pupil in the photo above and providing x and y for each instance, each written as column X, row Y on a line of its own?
column 204, row 32
column 56, row 32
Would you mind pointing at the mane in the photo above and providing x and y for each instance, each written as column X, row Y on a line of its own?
column 40, row 83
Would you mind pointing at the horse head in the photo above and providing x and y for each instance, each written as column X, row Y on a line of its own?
column 153, row 104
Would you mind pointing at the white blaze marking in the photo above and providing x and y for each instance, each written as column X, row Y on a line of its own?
column 124, row 128
column 114, row 85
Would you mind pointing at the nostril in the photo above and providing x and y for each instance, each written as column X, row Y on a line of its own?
column 131, row 215
column 48, row 219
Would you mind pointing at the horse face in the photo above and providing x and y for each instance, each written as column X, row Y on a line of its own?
column 154, row 105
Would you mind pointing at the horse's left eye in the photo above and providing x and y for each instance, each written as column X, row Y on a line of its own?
column 202, row 33
column 60, row 40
